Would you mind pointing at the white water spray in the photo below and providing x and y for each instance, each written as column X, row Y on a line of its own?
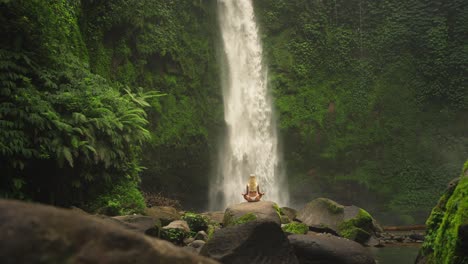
column 251, row 144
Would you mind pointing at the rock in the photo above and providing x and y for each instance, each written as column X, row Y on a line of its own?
column 373, row 242
column 138, row 223
column 165, row 214
column 289, row 212
column 201, row 235
column 245, row 212
column 214, row 217
column 253, row 242
column 178, row 224
column 416, row 236
column 327, row 249
column 176, row 232
column 322, row 212
column 196, row 246
column 323, row 229
column 188, row 240
column 33, row 233
column 348, row 221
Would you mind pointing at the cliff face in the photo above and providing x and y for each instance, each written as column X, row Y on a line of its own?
column 171, row 47
column 447, row 234
column 370, row 105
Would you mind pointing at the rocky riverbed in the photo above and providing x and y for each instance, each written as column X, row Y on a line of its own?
column 262, row 232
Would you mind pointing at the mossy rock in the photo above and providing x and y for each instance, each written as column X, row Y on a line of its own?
column 196, row 222
column 174, row 235
column 446, row 238
column 240, row 213
column 322, row 211
column 295, row 228
column 350, row 222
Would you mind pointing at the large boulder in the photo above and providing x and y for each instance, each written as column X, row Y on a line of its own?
column 176, row 232
column 244, row 212
column 253, row 242
column 214, row 217
column 138, row 223
column 33, row 233
column 165, row 214
column 329, row 249
column 289, row 212
column 350, row 222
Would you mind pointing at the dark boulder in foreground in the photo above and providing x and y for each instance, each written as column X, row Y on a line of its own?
column 253, row 242
column 33, row 233
column 329, row 249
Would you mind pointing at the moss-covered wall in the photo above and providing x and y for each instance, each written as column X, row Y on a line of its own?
column 168, row 46
column 371, row 99
column 447, row 238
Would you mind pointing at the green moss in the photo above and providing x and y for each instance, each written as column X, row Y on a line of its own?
column 332, row 206
column 295, row 228
column 350, row 231
column 195, row 221
column 211, row 230
column 442, row 243
column 174, row 235
column 243, row 219
column 358, row 228
column 278, row 210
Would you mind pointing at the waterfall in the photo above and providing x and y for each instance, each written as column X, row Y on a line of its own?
column 251, row 143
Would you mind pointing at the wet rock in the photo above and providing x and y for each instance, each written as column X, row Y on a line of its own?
column 138, row 223
column 350, row 222
column 201, row 235
column 196, row 246
column 289, row 212
column 254, row 242
column 215, row 217
column 327, row 249
column 33, row 233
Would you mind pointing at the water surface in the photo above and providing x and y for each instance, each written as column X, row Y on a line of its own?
column 396, row 254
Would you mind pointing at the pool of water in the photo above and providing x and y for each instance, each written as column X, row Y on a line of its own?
column 395, row 254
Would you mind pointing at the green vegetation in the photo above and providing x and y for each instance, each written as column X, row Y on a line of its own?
column 78, row 102
column 331, row 206
column 174, row 235
column 196, row 222
column 122, row 198
column 66, row 134
column 295, row 228
column 167, row 46
column 231, row 221
column 371, row 97
column 444, row 243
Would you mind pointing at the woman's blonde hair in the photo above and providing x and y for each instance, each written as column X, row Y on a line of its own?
column 253, row 183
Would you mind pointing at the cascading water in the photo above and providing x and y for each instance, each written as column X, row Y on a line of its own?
column 251, row 144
